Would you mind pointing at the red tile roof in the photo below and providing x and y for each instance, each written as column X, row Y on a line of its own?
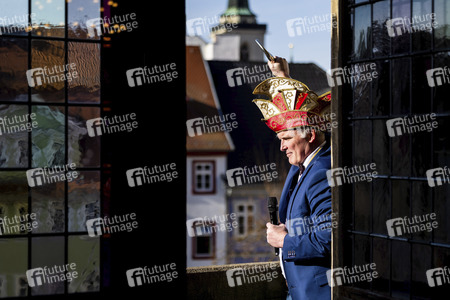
column 200, row 95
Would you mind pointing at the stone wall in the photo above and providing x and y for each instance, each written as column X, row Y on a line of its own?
column 236, row 281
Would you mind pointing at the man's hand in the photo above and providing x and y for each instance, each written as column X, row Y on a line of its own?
column 279, row 68
column 276, row 234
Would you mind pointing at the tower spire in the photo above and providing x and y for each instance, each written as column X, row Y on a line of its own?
column 238, row 7
column 234, row 37
column 238, row 3
column 240, row 12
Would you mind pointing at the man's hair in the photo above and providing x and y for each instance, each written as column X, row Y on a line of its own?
column 304, row 130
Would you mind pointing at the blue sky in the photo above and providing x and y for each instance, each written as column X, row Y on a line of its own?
column 283, row 19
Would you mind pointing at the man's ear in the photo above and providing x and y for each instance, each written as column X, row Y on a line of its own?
column 313, row 136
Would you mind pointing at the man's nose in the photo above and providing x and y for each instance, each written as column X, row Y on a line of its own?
column 283, row 146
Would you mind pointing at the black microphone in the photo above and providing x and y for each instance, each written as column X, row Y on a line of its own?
column 272, row 206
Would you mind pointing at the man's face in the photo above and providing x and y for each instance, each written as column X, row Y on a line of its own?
column 296, row 147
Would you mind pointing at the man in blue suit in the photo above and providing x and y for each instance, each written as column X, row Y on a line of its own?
column 304, row 233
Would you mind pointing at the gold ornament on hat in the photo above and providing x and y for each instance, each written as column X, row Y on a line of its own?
column 292, row 104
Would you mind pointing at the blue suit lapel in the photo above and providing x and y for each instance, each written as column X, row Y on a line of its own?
column 285, row 195
column 305, row 173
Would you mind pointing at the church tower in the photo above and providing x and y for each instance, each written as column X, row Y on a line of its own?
column 234, row 38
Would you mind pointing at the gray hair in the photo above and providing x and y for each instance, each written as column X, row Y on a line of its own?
column 304, row 130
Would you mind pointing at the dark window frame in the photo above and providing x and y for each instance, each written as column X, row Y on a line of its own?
column 104, row 167
column 344, row 148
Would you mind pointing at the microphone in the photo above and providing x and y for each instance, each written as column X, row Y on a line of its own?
column 272, row 206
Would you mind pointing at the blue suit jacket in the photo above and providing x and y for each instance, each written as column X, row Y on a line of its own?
column 306, row 211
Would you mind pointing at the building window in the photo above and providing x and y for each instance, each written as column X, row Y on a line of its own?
column 245, row 214
column 203, row 241
column 244, row 53
column 50, row 87
column 204, row 177
column 402, row 53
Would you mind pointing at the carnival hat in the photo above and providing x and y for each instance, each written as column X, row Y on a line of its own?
column 292, row 105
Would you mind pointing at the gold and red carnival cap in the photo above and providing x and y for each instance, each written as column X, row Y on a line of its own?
column 292, row 105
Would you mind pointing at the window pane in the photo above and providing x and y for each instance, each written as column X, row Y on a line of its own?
column 380, row 89
column 14, row 139
column 381, row 205
column 382, row 260
column 380, row 147
column 421, row 207
column 47, row 252
column 400, row 155
column 14, row 17
column 441, row 258
column 362, row 142
column 49, row 138
column 84, row 199
column 84, row 150
column 84, row 251
column 400, row 199
column 400, row 42
column 421, row 153
column 441, row 148
column 199, row 181
column 84, row 19
column 241, row 224
column 48, row 18
column 250, row 223
column 361, row 33
column 421, row 91
column 362, row 256
column 442, row 60
column 361, row 90
column 400, row 86
column 13, row 67
column 47, row 74
column 203, row 245
column 421, row 39
column 13, row 265
column 14, row 197
column 85, row 87
column 441, row 143
column 441, row 204
column 442, row 30
column 421, row 262
column 362, row 205
column 48, row 205
column 401, row 270
column 381, row 40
